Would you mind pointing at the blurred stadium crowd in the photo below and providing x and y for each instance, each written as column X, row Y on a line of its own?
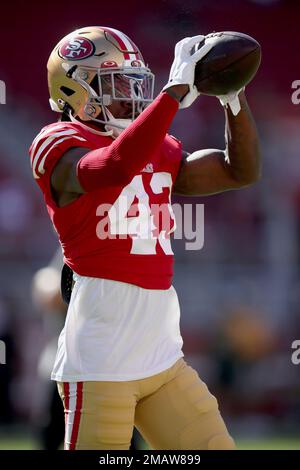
column 240, row 294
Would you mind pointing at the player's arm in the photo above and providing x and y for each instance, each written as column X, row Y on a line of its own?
column 211, row 171
column 79, row 171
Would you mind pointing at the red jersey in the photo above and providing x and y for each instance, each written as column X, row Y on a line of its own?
column 114, row 232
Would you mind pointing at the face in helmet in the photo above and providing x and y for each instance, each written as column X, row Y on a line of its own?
column 98, row 75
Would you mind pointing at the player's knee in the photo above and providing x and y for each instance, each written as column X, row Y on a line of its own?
column 221, row 442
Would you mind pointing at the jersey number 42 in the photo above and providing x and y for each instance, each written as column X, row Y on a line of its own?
column 147, row 224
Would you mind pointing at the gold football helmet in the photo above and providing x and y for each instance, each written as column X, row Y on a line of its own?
column 91, row 67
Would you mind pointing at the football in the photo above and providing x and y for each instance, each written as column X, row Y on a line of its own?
column 229, row 65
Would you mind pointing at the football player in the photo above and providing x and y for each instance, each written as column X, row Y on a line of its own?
column 102, row 168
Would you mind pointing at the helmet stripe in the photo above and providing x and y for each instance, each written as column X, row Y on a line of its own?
column 124, row 42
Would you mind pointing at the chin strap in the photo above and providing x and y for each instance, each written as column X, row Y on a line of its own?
column 114, row 125
column 113, row 128
column 108, row 133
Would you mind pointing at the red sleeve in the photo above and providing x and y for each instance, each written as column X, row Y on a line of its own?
column 120, row 161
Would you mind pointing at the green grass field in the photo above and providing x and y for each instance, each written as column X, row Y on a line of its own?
column 277, row 443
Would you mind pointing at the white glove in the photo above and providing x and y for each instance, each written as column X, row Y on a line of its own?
column 183, row 68
column 232, row 100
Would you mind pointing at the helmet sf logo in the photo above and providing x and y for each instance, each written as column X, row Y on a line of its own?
column 76, row 48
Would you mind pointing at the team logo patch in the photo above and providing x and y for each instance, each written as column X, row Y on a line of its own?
column 108, row 64
column 77, row 48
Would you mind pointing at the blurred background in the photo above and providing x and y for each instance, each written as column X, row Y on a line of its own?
column 240, row 294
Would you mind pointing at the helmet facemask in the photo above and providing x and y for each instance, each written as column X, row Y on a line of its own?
column 133, row 86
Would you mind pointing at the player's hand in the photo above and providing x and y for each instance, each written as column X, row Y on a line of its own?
column 232, row 100
column 183, row 68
